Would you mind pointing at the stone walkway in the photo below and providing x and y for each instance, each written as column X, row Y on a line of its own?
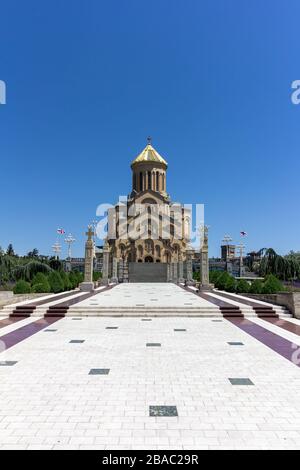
column 90, row 383
column 145, row 294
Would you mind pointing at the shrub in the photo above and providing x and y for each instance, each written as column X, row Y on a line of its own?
column 256, row 287
column 214, row 275
column 56, row 282
column 40, row 283
column 73, row 279
column 97, row 275
column 39, row 288
column 242, row 286
column 196, row 276
column 230, row 285
column 22, row 287
column 272, row 285
column 221, row 281
column 66, row 280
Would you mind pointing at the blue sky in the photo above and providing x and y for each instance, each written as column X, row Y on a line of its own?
column 210, row 81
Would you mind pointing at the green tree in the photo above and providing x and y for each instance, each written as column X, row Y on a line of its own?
column 242, row 286
column 272, row 285
column 56, row 282
column 256, row 287
column 214, row 275
column 29, row 270
column 22, row 287
column 230, row 285
column 10, row 251
column 73, row 279
column 221, row 281
column 33, row 254
column 55, row 264
column 40, row 283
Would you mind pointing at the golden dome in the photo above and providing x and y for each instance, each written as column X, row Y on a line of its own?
column 149, row 154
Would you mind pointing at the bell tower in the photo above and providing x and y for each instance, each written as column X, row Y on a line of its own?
column 149, row 171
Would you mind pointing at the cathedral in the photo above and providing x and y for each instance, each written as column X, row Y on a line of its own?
column 148, row 235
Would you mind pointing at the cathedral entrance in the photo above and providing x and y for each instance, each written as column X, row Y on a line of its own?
column 148, row 259
column 148, row 271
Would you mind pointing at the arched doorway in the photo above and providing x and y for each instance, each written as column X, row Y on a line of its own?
column 148, row 259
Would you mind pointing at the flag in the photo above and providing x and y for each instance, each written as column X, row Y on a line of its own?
column 243, row 234
column 61, row 231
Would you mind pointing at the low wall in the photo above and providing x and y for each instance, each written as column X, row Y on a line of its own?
column 6, row 294
column 290, row 300
column 11, row 298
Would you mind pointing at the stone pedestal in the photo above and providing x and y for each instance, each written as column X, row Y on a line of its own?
column 86, row 286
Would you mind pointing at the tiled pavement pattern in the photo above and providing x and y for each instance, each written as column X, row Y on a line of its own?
column 49, row 399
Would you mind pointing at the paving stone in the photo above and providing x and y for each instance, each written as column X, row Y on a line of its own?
column 235, row 343
column 99, row 372
column 77, row 341
column 153, row 344
column 163, row 410
column 240, row 381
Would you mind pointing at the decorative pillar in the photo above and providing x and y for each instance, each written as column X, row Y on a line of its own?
column 105, row 269
column 180, row 271
column 189, row 265
column 87, row 285
column 175, row 271
column 169, row 277
column 114, row 270
column 204, row 261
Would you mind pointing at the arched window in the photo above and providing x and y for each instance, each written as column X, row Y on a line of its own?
column 134, row 181
column 141, row 181
column 157, row 181
column 149, row 180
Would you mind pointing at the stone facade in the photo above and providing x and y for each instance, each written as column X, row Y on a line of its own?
column 147, row 227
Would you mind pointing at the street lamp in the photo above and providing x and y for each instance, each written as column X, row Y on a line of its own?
column 57, row 249
column 69, row 240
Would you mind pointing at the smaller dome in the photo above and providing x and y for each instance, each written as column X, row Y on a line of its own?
column 149, row 154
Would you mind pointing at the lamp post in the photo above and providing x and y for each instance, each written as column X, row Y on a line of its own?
column 69, row 240
column 57, row 249
column 241, row 253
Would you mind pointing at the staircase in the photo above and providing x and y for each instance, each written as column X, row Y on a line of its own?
column 21, row 311
column 144, row 311
column 54, row 311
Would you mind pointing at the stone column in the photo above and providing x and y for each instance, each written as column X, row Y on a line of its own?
column 105, row 271
column 169, row 277
column 114, row 270
column 175, row 271
column 189, row 266
column 204, row 262
column 180, row 271
column 87, row 285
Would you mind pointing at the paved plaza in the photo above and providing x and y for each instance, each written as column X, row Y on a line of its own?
column 149, row 383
